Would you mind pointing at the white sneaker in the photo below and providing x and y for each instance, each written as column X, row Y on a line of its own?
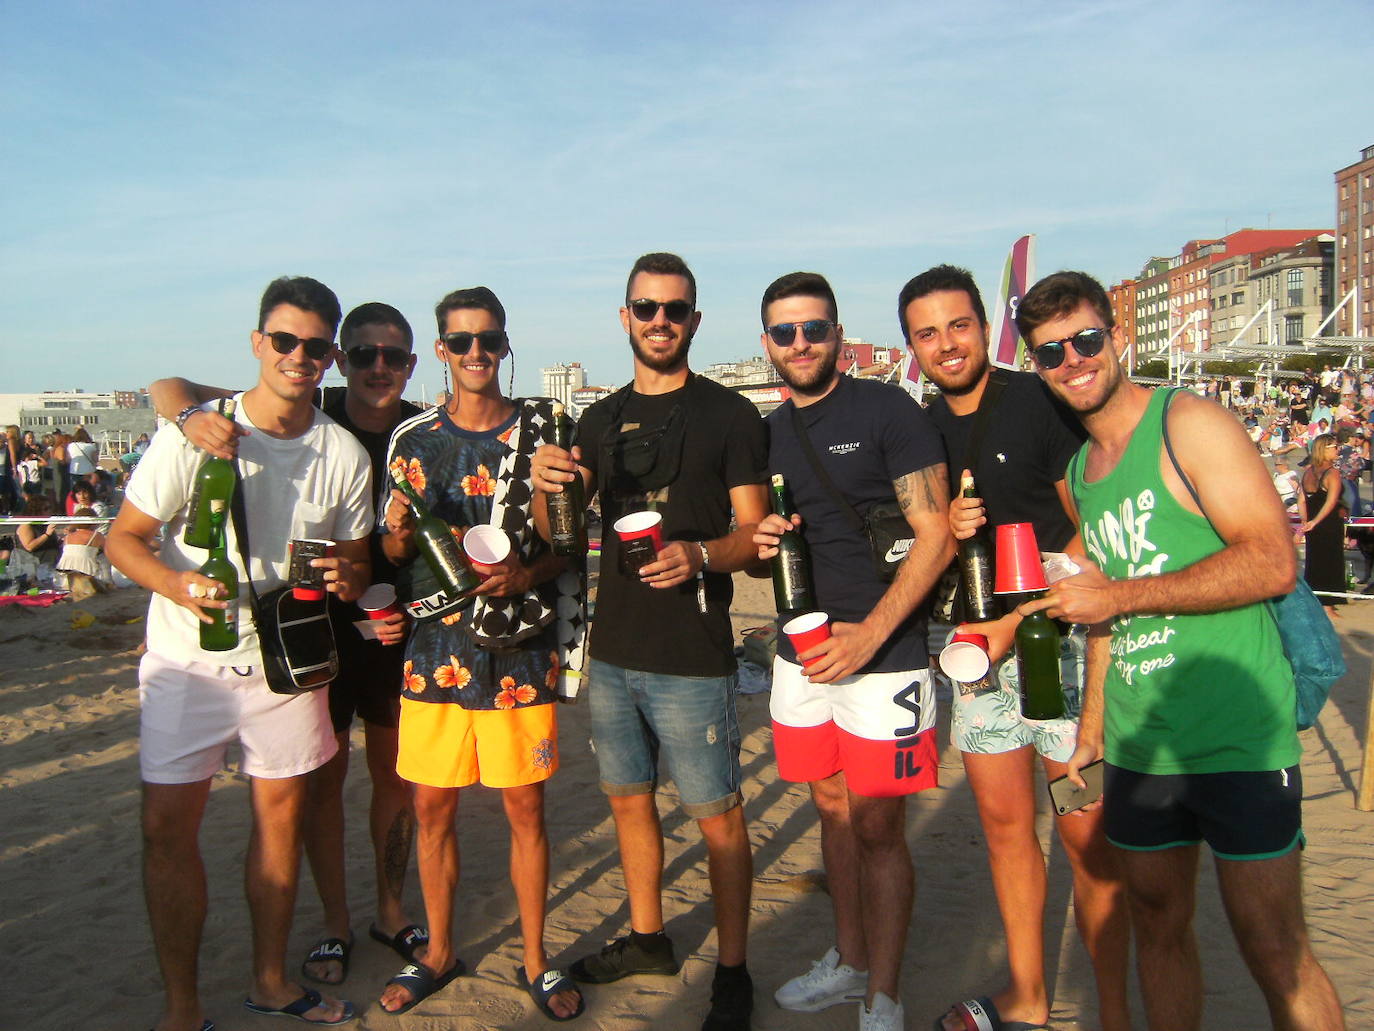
column 828, row 983
column 885, row 1015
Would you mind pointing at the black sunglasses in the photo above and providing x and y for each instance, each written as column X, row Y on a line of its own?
column 644, row 310
column 489, row 340
column 364, row 357
column 813, row 331
column 1087, row 342
column 316, row 348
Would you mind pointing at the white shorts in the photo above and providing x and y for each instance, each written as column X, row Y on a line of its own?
column 879, row 728
column 191, row 712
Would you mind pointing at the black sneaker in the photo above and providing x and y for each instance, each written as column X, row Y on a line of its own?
column 623, row 957
column 732, row 1003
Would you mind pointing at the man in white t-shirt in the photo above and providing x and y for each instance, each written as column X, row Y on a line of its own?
column 1286, row 483
column 301, row 475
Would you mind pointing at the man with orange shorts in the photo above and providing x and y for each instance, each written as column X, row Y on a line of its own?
column 482, row 669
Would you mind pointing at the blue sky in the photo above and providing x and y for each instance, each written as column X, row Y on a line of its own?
column 163, row 161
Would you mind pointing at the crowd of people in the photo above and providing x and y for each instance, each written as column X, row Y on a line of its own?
column 460, row 688
column 57, row 475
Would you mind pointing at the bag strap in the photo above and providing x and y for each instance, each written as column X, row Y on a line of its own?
column 1169, row 449
column 240, row 520
column 800, row 427
column 997, row 382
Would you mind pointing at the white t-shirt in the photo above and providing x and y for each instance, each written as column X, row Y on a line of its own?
column 81, row 457
column 1286, row 484
column 314, row 485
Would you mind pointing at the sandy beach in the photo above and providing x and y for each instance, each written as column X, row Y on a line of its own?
column 78, row 951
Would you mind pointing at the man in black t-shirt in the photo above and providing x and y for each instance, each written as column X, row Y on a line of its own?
column 857, row 723
column 662, row 674
column 376, row 357
column 1026, row 441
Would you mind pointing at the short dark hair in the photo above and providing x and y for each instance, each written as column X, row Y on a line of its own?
column 374, row 313
column 300, row 292
column 799, row 284
column 1058, row 295
column 934, row 280
column 470, row 297
column 661, row 263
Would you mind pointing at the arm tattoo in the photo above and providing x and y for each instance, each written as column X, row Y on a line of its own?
column 922, row 489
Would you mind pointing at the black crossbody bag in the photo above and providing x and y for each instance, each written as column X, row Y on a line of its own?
column 294, row 636
column 884, row 525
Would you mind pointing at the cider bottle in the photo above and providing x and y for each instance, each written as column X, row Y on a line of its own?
column 976, row 566
column 437, row 544
column 1037, row 667
column 567, row 509
column 216, row 481
column 222, row 634
column 792, row 586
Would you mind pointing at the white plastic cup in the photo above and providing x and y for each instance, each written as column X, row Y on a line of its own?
column 486, row 547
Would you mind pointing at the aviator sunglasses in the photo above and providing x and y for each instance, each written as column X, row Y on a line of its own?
column 813, row 331
column 676, row 311
column 489, row 340
column 364, row 357
column 1087, row 342
column 316, row 348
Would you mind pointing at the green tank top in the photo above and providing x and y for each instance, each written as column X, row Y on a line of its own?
column 1203, row 693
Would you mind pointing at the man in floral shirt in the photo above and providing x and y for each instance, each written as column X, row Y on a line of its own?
column 481, row 669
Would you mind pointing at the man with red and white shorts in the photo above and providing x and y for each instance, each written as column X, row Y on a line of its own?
column 854, row 716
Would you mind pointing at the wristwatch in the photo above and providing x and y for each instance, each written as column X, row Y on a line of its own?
column 185, row 414
column 705, row 558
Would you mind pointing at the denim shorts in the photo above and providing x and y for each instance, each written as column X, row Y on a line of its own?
column 690, row 720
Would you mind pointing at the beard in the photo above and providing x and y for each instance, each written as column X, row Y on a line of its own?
column 665, row 362
column 814, row 380
column 962, row 382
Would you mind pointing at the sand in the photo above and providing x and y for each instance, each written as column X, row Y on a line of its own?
column 78, row 953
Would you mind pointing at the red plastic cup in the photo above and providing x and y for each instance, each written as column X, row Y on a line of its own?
column 486, row 548
column 1018, row 560
column 806, row 631
column 307, row 582
column 379, row 601
column 965, row 659
column 641, row 539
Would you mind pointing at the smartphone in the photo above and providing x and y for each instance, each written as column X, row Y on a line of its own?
column 1066, row 796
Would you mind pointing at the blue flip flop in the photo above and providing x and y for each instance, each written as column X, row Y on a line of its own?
column 417, row 979
column 981, row 1014
column 297, row 1010
column 546, row 986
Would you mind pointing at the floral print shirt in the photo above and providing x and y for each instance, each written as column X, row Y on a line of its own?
column 453, row 470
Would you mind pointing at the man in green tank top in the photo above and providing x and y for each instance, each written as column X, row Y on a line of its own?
column 1188, row 693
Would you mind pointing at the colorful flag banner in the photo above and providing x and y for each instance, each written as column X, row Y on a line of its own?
column 1007, row 346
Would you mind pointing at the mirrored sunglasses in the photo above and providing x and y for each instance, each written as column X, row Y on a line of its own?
column 1087, row 342
column 813, row 331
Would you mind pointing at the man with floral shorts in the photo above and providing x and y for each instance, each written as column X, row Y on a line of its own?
column 1023, row 441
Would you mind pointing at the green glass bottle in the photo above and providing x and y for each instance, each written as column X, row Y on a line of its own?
column 437, row 544
column 216, row 481
column 975, row 563
column 1037, row 667
column 221, row 635
column 792, row 585
column 567, row 510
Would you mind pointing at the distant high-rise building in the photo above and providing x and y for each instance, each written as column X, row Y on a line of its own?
column 559, row 381
column 1152, row 308
column 1354, row 255
column 1122, row 297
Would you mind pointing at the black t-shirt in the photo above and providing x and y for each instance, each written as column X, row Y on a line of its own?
column 332, row 401
column 1026, row 448
column 866, row 435
column 724, row 446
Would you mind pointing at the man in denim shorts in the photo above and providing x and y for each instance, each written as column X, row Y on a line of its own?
column 662, row 672
column 1023, row 440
